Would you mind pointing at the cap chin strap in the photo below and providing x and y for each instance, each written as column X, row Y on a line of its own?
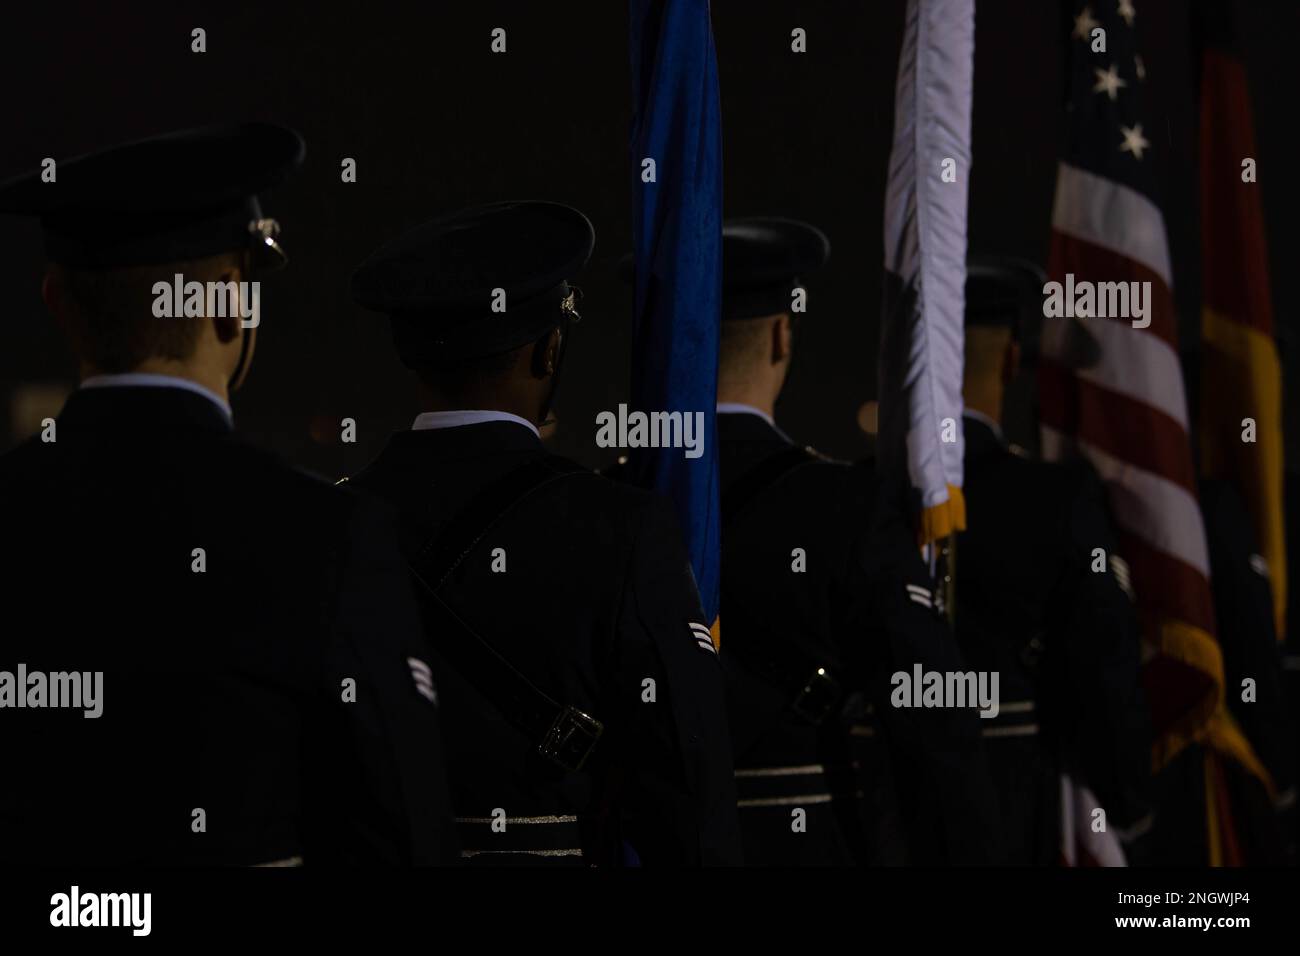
column 568, row 316
column 555, row 376
column 267, row 230
column 238, row 373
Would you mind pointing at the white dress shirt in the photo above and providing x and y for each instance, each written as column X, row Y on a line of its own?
column 468, row 416
column 740, row 408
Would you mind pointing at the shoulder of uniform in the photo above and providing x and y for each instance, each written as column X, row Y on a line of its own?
column 253, row 458
column 1069, row 475
column 1018, row 456
column 824, row 458
column 293, row 489
column 828, row 465
column 562, row 463
column 824, row 478
column 605, row 492
column 1078, row 475
column 852, row 489
column 1077, row 486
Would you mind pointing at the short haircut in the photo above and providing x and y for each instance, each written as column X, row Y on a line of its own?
column 465, row 376
column 111, row 322
column 743, row 344
column 986, row 349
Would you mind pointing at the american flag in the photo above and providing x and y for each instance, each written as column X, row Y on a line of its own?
column 1126, row 412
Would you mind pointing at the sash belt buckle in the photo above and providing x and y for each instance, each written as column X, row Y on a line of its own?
column 571, row 738
column 818, row 697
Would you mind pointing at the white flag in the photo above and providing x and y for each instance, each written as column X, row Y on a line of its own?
column 921, row 349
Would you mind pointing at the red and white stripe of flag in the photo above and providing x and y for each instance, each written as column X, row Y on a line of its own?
column 1127, row 414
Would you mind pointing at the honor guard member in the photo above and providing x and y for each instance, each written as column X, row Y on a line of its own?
column 584, row 722
column 221, row 661
column 825, row 597
column 1044, row 599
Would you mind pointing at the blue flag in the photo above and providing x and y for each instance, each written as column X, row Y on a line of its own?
column 676, row 157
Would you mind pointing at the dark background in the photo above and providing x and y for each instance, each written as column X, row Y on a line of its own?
column 436, row 121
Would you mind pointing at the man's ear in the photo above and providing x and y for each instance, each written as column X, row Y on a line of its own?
column 227, row 327
column 546, row 355
column 782, row 338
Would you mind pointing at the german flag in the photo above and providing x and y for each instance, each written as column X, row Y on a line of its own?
column 1241, row 380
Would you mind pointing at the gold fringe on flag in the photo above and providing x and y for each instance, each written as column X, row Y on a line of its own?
column 941, row 520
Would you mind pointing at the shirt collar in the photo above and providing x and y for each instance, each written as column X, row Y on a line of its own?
column 154, row 380
column 468, row 416
column 984, row 420
column 740, row 408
